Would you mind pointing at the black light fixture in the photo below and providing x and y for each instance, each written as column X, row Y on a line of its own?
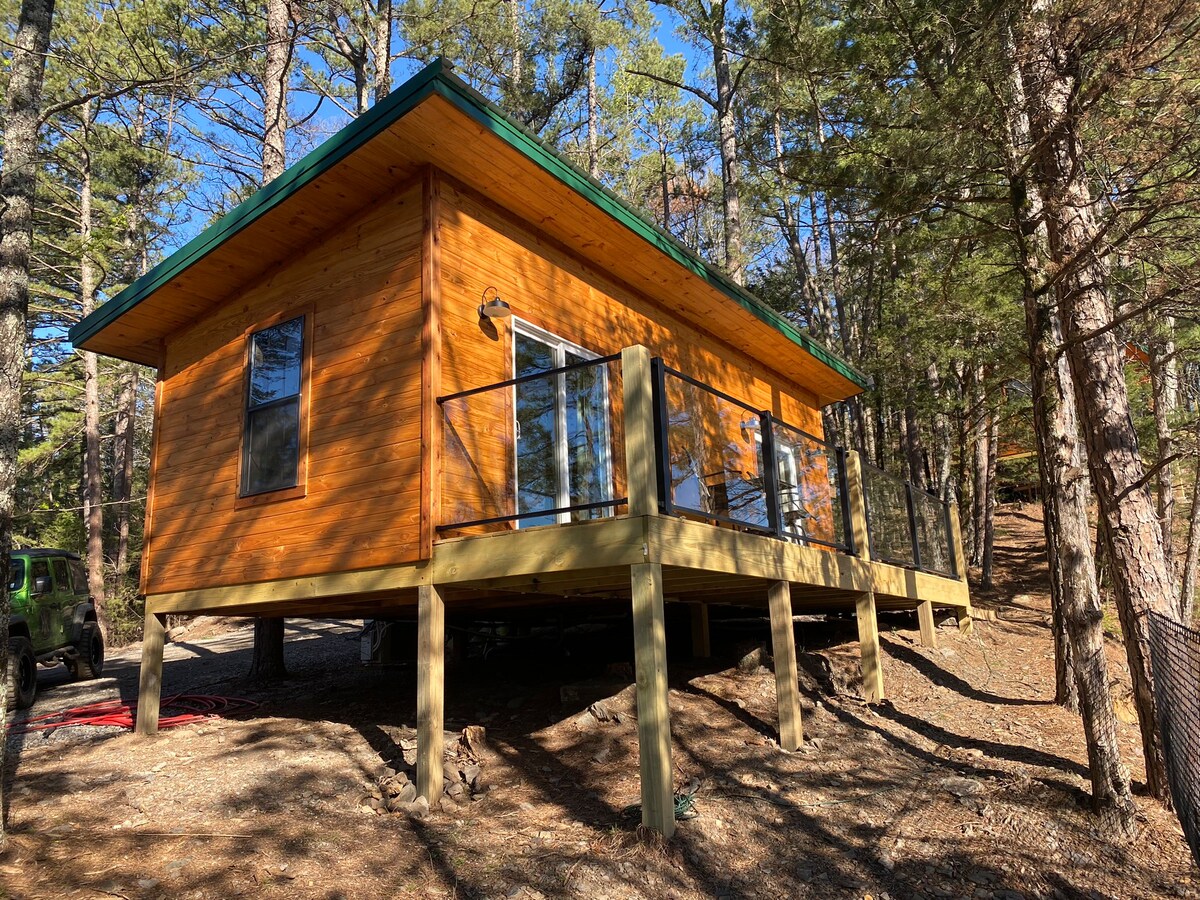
column 493, row 307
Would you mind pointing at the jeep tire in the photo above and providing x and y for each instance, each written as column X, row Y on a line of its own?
column 22, row 673
column 90, row 661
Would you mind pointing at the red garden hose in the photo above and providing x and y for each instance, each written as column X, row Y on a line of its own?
column 186, row 709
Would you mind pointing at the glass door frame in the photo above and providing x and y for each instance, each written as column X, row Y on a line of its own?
column 560, row 347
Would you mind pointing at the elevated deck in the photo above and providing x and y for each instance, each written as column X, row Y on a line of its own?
column 693, row 497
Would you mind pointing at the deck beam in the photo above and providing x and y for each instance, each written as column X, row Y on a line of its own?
column 654, row 716
column 431, row 663
column 783, row 647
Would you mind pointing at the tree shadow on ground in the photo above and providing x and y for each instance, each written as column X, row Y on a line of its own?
column 948, row 680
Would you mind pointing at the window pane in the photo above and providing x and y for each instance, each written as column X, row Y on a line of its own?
column 62, row 581
column 16, row 574
column 275, row 362
column 40, row 569
column 79, row 576
column 272, row 447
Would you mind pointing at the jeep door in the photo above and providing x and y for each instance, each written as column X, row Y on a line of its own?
column 44, row 618
column 64, row 599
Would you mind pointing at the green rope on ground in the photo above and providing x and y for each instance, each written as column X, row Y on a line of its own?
column 685, row 808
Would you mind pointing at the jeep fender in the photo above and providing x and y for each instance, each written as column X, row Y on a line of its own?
column 84, row 612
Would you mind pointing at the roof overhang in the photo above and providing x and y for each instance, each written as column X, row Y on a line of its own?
column 435, row 119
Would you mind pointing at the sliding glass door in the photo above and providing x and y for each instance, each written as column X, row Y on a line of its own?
column 563, row 445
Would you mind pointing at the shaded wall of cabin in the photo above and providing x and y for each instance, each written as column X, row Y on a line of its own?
column 484, row 247
column 360, row 508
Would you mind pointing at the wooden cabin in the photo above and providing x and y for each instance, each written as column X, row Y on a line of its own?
column 433, row 366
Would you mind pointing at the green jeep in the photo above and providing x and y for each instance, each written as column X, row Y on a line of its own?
column 53, row 618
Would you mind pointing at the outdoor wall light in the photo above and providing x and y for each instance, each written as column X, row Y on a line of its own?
column 493, row 307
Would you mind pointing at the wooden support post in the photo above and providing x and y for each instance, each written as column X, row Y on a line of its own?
column 928, row 630
column 431, row 650
column 963, row 615
column 154, row 633
column 857, row 501
column 701, row 642
column 783, row 646
column 654, row 716
column 868, row 644
column 637, row 394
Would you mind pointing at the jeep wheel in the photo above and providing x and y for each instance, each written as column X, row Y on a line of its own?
column 90, row 661
column 22, row 673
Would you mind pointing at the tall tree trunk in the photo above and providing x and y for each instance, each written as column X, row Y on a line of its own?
column 93, row 475
column 1140, row 579
column 1127, row 514
column 989, row 501
column 941, row 432
column 125, row 433
column 383, row 49
column 275, row 78
column 1065, row 488
column 18, row 180
column 267, row 661
column 981, row 431
column 593, row 115
column 731, row 208
column 1164, row 383
column 1191, row 559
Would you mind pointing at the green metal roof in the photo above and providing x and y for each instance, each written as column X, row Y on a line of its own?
column 436, row 78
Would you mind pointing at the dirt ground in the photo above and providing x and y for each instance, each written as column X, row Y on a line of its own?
column 968, row 782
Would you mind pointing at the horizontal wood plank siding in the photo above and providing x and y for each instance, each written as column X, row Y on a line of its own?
column 361, row 507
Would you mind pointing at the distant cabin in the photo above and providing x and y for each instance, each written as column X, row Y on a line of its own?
column 433, row 368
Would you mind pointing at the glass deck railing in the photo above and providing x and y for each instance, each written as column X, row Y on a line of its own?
column 548, row 448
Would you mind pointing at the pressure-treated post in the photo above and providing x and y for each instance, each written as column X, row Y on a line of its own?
column 654, row 717
column 637, row 393
column 864, row 603
column 783, row 646
column 431, row 651
column 925, row 618
column 154, row 633
column 962, row 613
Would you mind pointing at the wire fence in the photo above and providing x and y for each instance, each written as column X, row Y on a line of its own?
column 1175, row 658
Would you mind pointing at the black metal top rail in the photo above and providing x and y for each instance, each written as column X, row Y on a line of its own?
column 533, row 376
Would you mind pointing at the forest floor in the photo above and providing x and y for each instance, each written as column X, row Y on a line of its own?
column 968, row 782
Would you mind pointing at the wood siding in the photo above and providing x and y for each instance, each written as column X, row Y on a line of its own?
column 548, row 287
column 362, row 285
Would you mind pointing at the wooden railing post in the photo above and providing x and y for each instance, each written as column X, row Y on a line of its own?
column 856, row 499
column 641, row 473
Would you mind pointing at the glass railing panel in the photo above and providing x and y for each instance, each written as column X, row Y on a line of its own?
column 543, row 449
column 887, row 517
column 712, row 461
column 810, row 486
column 933, row 533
